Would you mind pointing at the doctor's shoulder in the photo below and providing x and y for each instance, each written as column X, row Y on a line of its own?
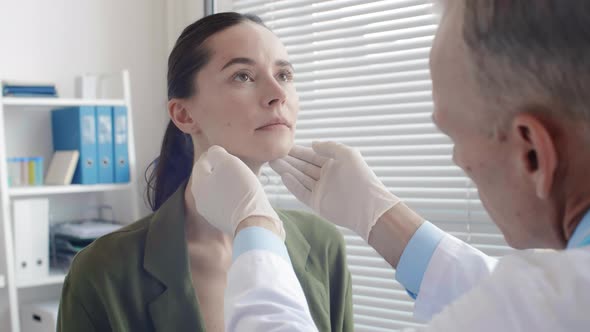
column 549, row 287
column 532, row 290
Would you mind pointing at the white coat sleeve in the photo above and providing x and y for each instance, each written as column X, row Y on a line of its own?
column 263, row 292
column 454, row 269
column 437, row 268
column 531, row 291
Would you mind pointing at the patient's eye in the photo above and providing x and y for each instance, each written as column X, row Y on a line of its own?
column 243, row 77
column 285, row 76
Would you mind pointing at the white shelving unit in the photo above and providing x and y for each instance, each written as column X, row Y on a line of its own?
column 60, row 102
column 8, row 281
column 53, row 279
column 72, row 189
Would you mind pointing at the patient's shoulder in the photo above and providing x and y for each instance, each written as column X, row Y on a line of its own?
column 113, row 254
column 315, row 229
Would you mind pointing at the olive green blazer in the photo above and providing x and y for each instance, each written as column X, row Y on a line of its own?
column 138, row 278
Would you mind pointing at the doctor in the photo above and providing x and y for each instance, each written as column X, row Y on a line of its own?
column 510, row 81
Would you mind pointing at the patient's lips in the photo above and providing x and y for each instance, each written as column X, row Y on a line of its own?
column 275, row 124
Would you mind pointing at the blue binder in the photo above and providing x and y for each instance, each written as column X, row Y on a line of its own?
column 121, row 144
column 104, row 137
column 75, row 129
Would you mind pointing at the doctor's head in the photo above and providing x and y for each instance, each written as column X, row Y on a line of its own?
column 230, row 84
column 510, row 87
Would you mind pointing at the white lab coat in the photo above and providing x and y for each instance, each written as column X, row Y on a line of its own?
column 263, row 294
column 462, row 290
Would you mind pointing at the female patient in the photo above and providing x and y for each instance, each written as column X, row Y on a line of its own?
column 229, row 84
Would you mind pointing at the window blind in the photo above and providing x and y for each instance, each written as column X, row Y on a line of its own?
column 361, row 71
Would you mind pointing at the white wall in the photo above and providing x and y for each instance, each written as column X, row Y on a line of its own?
column 224, row 6
column 181, row 13
column 57, row 40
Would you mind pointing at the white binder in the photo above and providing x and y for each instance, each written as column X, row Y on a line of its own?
column 31, row 238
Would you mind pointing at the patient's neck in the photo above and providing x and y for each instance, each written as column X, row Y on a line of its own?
column 209, row 249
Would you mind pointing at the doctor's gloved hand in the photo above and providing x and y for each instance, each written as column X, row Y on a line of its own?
column 335, row 181
column 227, row 192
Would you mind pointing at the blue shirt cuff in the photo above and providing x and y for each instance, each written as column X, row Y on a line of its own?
column 416, row 257
column 259, row 238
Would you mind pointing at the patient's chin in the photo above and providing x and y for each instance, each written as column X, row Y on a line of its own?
column 274, row 151
column 275, row 154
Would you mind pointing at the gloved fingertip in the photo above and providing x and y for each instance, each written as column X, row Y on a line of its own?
column 296, row 188
column 278, row 165
column 216, row 149
column 273, row 163
column 296, row 149
column 202, row 165
column 216, row 154
column 325, row 149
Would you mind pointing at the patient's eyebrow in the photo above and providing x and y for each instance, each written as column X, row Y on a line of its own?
column 245, row 61
column 250, row 62
column 284, row 63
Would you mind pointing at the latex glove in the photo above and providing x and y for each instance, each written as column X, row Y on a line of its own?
column 226, row 192
column 336, row 182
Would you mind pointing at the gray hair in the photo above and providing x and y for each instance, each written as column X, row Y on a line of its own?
column 531, row 53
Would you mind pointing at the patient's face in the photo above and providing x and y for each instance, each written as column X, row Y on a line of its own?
column 246, row 100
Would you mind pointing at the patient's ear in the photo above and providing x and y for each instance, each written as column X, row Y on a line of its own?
column 182, row 117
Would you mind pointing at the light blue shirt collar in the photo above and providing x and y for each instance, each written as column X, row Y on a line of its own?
column 581, row 236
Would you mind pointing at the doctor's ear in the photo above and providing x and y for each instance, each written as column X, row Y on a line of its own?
column 180, row 114
column 538, row 152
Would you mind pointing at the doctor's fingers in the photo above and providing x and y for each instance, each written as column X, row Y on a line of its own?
column 330, row 149
column 296, row 188
column 307, row 155
column 306, row 168
column 282, row 167
column 217, row 155
column 203, row 166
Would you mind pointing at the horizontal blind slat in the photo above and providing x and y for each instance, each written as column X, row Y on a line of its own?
column 360, row 41
column 365, row 81
column 412, row 119
column 335, row 10
column 365, row 91
column 329, row 34
column 405, row 97
column 329, row 111
column 357, row 20
column 349, row 72
column 285, row 11
column 359, row 58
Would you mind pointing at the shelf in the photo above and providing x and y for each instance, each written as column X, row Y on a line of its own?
column 60, row 102
column 54, row 278
column 71, row 189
